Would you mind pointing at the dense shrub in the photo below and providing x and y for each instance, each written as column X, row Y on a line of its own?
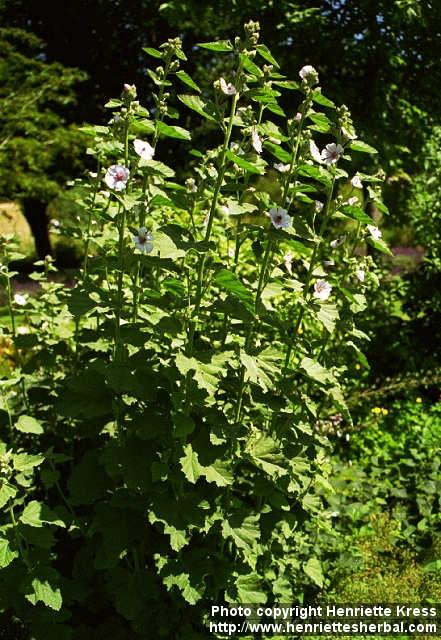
column 160, row 448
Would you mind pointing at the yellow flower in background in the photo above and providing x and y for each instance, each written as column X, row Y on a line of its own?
column 419, row 400
column 385, row 411
column 300, row 330
column 357, row 365
column 376, row 410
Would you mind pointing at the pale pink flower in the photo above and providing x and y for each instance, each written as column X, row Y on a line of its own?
column 360, row 273
column 322, row 290
column 331, row 153
column 308, row 74
column 143, row 240
column 280, row 218
column 143, row 149
column 356, row 182
column 20, row 300
column 353, row 201
column 227, row 87
column 283, row 168
column 256, row 141
column 374, row 231
column 116, row 177
column 315, row 153
column 298, row 116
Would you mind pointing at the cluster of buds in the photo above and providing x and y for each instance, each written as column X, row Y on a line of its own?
column 309, row 76
column 190, row 184
column 173, row 48
column 252, row 34
column 5, row 465
column 128, row 94
column 345, row 123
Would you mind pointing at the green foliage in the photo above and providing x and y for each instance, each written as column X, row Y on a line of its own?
column 425, row 201
column 37, row 149
column 160, row 448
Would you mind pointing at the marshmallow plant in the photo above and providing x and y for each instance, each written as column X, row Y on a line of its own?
column 167, row 455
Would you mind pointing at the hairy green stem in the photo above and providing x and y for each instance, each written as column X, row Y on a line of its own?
column 312, row 263
column 217, row 188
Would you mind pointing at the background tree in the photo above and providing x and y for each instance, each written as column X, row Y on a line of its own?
column 37, row 148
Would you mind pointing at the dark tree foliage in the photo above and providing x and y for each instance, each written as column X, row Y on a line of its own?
column 37, row 148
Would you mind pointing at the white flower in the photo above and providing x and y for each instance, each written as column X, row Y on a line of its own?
column 143, row 240
column 256, row 141
column 328, row 263
column 360, row 273
column 93, row 174
column 318, row 206
column 374, row 231
column 353, row 201
column 308, row 72
column 20, row 300
column 337, row 242
column 54, row 222
column 331, row 153
column 116, row 177
column 280, row 218
column 287, row 258
column 298, row 116
column 315, row 153
column 356, row 182
column 322, row 290
column 227, row 87
column 283, row 168
column 143, row 149
column 22, row 330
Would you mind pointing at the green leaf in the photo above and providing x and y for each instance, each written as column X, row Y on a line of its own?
column 219, row 473
column 206, row 374
column 79, row 302
column 45, row 589
column 356, row 213
column 230, row 282
column 185, row 78
column 315, row 371
column 244, row 164
column 380, row 245
column 254, row 371
column 221, row 46
column 319, row 98
column 36, row 514
column 6, row 492
column 358, row 145
column 432, row 567
column 250, row 589
column 27, row 424
column 278, row 152
column 244, row 531
column 26, row 462
column 152, row 52
column 313, row 570
column 190, row 464
column 266, row 55
column 266, row 454
column 7, row 555
column 164, row 247
column 183, row 425
column 172, row 131
column 328, row 315
column 196, row 104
